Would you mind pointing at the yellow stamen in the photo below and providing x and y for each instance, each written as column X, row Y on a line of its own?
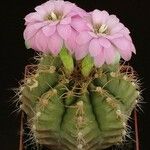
column 103, row 28
column 54, row 16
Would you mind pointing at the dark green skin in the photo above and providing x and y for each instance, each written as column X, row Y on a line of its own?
column 90, row 118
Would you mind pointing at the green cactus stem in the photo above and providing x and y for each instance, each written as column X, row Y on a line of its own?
column 76, row 106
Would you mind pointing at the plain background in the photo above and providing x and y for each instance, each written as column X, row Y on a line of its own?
column 135, row 14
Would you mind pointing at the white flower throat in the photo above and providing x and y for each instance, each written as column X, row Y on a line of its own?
column 101, row 29
column 54, row 16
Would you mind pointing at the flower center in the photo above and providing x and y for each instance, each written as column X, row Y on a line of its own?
column 54, row 16
column 101, row 29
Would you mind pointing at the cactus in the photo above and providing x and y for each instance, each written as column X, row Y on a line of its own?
column 78, row 109
column 78, row 95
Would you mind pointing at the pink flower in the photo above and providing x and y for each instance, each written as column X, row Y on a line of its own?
column 105, row 38
column 54, row 24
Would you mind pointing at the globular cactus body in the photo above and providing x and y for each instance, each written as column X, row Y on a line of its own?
column 70, row 111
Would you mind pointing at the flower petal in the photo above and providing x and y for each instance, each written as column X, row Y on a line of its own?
column 39, row 25
column 70, row 43
column 133, row 49
column 117, row 28
column 32, row 17
column 66, row 20
column 96, row 16
column 41, row 41
column 122, row 43
column 68, row 8
column 49, row 30
column 125, row 31
column 83, row 38
column 114, row 36
column 32, row 29
column 31, row 43
column 77, row 12
column 64, row 31
column 112, row 21
column 58, row 5
column 99, row 17
column 55, row 44
column 29, row 32
column 104, row 42
column 109, row 54
column 78, row 24
column 104, row 16
column 81, row 51
column 124, row 47
column 48, row 6
column 93, row 34
column 94, row 47
column 99, row 59
column 41, row 11
column 125, row 54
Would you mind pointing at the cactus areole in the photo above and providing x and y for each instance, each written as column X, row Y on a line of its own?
column 79, row 96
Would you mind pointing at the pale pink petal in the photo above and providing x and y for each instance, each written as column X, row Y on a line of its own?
column 82, row 13
column 117, row 28
column 112, row 21
column 104, row 16
column 41, row 11
column 49, row 30
column 114, row 36
column 41, row 41
column 55, row 44
column 64, row 31
column 52, row 23
column 79, row 24
column 66, row 20
column 29, row 32
column 68, row 8
column 31, row 43
column 125, row 31
column 96, row 16
column 109, row 54
column 83, row 38
column 99, row 60
column 48, row 6
column 70, row 43
column 93, row 34
column 90, row 26
column 133, row 49
column 32, row 17
column 128, row 37
column 125, row 54
column 99, row 17
column 59, row 5
column 104, row 42
column 32, row 29
column 89, row 21
column 124, row 47
column 94, row 47
column 39, row 25
column 77, row 12
column 122, row 43
column 81, row 51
